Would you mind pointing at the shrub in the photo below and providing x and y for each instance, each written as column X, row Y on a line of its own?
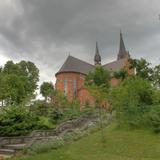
column 154, row 118
column 55, row 116
column 18, row 120
column 47, row 146
column 131, row 100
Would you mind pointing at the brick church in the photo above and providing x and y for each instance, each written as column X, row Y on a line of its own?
column 71, row 76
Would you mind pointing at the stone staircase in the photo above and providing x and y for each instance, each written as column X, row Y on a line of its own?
column 9, row 150
column 10, row 145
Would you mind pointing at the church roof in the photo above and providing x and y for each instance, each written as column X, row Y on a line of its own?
column 73, row 64
column 115, row 65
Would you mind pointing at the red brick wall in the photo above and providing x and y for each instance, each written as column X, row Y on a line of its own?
column 82, row 94
column 85, row 98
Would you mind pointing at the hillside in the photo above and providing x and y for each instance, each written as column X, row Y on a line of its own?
column 121, row 144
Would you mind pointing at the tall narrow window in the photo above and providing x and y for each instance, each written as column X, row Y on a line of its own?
column 74, row 87
column 65, row 87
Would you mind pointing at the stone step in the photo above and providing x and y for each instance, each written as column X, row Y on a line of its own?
column 3, row 156
column 14, row 146
column 7, row 151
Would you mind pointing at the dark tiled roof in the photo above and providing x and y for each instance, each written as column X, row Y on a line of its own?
column 73, row 64
column 115, row 65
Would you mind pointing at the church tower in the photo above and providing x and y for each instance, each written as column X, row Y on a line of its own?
column 97, row 57
column 122, row 50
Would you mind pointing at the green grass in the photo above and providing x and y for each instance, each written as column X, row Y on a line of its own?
column 120, row 144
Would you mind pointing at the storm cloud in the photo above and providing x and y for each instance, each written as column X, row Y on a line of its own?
column 46, row 31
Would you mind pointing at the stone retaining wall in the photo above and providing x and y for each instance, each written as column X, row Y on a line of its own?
column 37, row 135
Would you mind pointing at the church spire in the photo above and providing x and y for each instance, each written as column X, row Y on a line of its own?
column 122, row 50
column 97, row 57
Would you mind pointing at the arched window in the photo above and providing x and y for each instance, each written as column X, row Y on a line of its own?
column 74, row 87
column 65, row 86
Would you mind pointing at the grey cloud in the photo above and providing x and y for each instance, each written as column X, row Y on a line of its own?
column 45, row 31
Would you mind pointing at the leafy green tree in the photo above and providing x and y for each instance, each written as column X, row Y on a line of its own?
column 98, row 84
column 143, row 68
column 2, row 89
column 31, row 72
column 18, row 82
column 156, row 76
column 15, row 89
column 98, row 77
column 10, row 68
column 18, row 120
column 131, row 100
column 121, row 74
column 47, row 90
column 0, row 69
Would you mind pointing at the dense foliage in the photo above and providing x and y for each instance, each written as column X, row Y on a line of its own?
column 18, row 82
column 121, row 74
column 136, row 103
column 47, row 90
column 98, row 84
column 136, row 99
column 20, row 113
column 146, row 71
column 18, row 120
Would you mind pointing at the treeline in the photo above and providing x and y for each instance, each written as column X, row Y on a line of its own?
column 136, row 100
column 21, row 112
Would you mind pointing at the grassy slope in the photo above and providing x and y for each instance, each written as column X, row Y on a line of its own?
column 120, row 145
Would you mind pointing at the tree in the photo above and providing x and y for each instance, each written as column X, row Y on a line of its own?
column 31, row 72
column 47, row 90
column 15, row 89
column 131, row 100
column 98, row 84
column 121, row 74
column 2, row 89
column 18, row 82
column 145, row 71
column 156, row 76
column 19, row 120
column 143, row 68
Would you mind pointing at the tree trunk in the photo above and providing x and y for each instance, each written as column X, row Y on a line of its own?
column 101, row 124
column 2, row 103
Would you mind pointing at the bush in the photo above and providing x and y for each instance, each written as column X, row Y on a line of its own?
column 154, row 118
column 47, row 146
column 40, row 108
column 18, row 120
column 55, row 116
column 131, row 100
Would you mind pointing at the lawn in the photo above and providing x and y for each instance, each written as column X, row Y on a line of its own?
column 121, row 144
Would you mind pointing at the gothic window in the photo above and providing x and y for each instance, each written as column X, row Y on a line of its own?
column 65, row 86
column 74, row 87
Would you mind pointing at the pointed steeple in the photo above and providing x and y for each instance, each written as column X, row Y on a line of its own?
column 97, row 57
column 122, row 50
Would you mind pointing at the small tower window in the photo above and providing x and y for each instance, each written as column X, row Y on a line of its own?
column 65, row 86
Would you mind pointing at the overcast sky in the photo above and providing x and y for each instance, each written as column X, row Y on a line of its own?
column 46, row 31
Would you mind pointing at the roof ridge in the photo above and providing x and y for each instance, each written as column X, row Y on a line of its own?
column 79, row 60
column 113, row 61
